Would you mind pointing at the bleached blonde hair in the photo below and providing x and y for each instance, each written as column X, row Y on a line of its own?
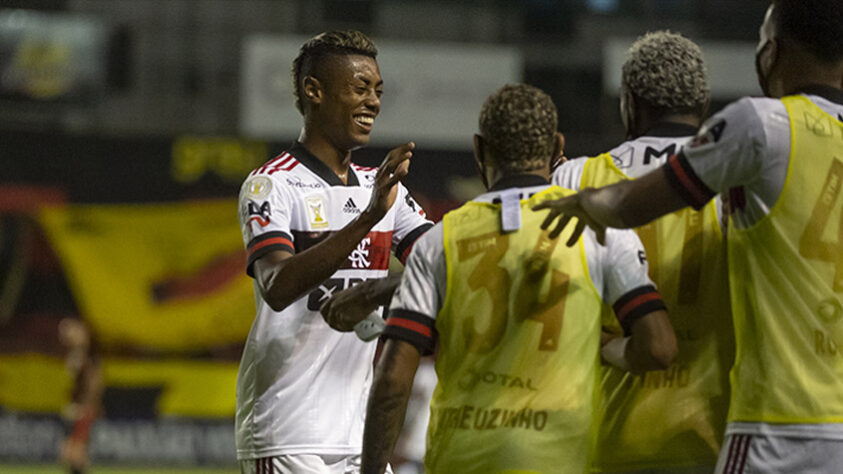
column 667, row 70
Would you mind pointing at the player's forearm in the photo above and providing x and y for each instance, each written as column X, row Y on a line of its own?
column 652, row 345
column 283, row 282
column 634, row 203
column 387, row 406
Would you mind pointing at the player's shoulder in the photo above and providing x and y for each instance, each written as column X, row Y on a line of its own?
column 282, row 163
column 569, row 174
column 746, row 118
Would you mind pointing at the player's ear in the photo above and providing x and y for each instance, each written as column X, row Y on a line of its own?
column 480, row 158
column 628, row 108
column 558, row 156
column 312, row 89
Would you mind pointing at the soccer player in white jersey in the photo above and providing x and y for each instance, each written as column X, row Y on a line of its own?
column 664, row 95
column 314, row 223
column 780, row 159
column 516, row 319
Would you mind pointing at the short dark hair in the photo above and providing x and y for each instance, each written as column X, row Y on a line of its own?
column 316, row 49
column 816, row 24
column 519, row 124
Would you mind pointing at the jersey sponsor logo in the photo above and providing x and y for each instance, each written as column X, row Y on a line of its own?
column 258, row 187
column 710, row 134
column 316, row 212
column 350, row 207
column 320, row 295
column 296, row 182
column 821, row 125
column 665, row 153
column 624, row 158
column 259, row 213
column 471, row 378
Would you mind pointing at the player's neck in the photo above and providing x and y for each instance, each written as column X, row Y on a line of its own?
column 654, row 120
column 803, row 70
column 337, row 160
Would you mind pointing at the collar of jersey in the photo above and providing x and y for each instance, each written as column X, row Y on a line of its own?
column 518, row 181
column 831, row 93
column 671, row 129
column 316, row 165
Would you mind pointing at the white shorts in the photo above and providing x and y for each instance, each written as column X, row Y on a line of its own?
column 304, row 464
column 756, row 454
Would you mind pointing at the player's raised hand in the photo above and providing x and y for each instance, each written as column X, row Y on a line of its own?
column 564, row 210
column 395, row 166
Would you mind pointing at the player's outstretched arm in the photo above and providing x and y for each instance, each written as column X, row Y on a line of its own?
column 283, row 277
column 387, row 404
column 651, row 345
column 622, row 205
column 348, row 307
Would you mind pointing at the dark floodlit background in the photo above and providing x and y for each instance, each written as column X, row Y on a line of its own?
column 127, row 126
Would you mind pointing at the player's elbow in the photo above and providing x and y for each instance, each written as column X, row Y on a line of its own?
column 661, row 355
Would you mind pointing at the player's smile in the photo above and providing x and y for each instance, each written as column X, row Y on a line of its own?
column 365, row 121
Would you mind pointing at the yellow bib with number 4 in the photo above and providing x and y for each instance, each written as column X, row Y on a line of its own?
column 786, row 276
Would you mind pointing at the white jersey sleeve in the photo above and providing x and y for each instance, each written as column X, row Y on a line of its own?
column 419, row 297
column 410, row 223
column 264, row 211
column 619, row 271
column 569, row 174
column 746, row 146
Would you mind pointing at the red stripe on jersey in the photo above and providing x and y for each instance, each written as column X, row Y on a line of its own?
column 636, row 302
column 272, row 241
column 699, row 196
column 411, row 325
column 272, row 162
column 284, row 165
column 290, row 166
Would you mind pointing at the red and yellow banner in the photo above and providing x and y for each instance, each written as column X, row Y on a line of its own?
column 164, row 277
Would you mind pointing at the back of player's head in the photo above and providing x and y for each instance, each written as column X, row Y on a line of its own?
column 815, row 24
column 322, row 46
column 519, row 123
column 667, row 71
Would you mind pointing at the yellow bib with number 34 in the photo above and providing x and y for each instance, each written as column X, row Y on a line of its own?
column 518, row 347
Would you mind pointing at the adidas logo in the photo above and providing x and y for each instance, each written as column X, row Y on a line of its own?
column 350, row 207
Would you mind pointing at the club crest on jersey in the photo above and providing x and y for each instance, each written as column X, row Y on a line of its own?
column 316, row 212
column 258, row 187
column 259, row 213
column 360, row 256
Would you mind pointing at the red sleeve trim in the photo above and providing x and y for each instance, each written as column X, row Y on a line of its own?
column 683, row 179
column 637, row 304
column 272, row 241
column 411, row 325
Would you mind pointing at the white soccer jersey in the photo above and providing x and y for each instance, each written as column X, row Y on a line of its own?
column 302, row 386
column 617, row 269
column 743, row 151
column 635, row 157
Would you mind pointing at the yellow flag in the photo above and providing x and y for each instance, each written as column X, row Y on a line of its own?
column 168, row 277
